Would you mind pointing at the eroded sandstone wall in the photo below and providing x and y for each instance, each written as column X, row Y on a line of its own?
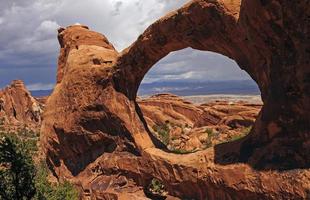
column 268, row 39
column 93, row 127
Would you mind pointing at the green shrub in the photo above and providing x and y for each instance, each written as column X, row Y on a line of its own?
column 16, row 164
column 156, row 187
column 210, row 132
column 47, row 191
column 17, row 171
column 27, row 133
column 183, row 151
column 245, row 131
column 27, row 138
column 163, row 131
column 66, row 191
column 31, row 145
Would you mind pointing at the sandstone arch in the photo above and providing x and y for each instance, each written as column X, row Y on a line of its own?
column 92, row 127
column 215, row 26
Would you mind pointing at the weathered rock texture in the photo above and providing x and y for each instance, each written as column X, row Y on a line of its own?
column 185, row 127
column 93, row 127
column 18, row 109
column 162, row 108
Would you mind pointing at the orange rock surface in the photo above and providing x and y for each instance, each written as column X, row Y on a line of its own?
column 189, row 127
column 18, row 109
column 160, row 108
column 94, row 130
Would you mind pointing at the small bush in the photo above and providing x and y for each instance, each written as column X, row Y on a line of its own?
column 28, row 144
column 183, row 151
column 17, row 171
column 27, row 133
column 31, row 145
column 235, row 137
column 245, row 131
column 156, row 186
column 156, row 190
column 210, row 132
column 47, row 191
column 163, row 131
column 16, row 164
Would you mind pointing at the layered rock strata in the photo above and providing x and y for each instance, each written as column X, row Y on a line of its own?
column 185, row 127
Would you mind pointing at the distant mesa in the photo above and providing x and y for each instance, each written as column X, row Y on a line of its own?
column 41, row 93
column 190, row 88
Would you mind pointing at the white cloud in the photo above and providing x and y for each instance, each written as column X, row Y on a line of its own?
column 195, row 65
column 169, row 89
column 40, row 86
column 48, row 27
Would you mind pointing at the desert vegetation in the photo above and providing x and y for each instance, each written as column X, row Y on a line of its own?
column 163, row 132
column 23, row 177
column 209, row 137
column 156, row 189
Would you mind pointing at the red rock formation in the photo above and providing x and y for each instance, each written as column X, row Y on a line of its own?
column 191, row 127
column 266, row 39
column 94, row 128
column 86, row 105
column 18, row 108
column 162, row 108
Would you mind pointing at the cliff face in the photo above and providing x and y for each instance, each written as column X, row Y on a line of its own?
column 18, row 108
column 95, row 135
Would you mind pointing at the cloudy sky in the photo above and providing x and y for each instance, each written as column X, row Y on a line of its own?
column 29, row 46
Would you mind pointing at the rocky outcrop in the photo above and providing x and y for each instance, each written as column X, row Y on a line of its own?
column 162, row 108
column 93, row 126
column 185, row 127
column 18, row 109
column 270, row 44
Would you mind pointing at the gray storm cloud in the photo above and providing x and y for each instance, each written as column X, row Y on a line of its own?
column 29, row 47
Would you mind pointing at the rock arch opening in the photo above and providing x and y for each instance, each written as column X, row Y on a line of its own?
column 257, row 41
column 213, row 73
column 227, row 28
column 193, row 100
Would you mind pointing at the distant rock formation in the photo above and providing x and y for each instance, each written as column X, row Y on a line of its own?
column 94, row 133
column 190, row 127
column 18, row 109
column 162, row 108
